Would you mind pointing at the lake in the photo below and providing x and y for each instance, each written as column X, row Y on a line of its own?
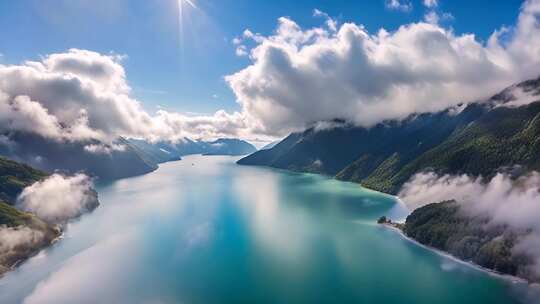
column 205, row 230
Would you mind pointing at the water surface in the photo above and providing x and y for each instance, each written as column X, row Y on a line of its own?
column 204, row 230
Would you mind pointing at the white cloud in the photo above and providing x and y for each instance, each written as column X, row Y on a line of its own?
column 431, row 3
column 104, row 148
column 519, row 96
column 299, row 76
column 330, row 22
column 433, row 17
column 14, row 237
column 59, row 198
column 82, row 95
column 402, row 5
column 295, row 77
column 502, row 200
column 241, row 51
column 236, row 40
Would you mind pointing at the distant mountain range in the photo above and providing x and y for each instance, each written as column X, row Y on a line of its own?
column 478, row 139
column 123, row 158
column 163, row 151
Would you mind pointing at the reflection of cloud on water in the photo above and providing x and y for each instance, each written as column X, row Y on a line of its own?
column 198, row 235
column 278, row 222
column 293, row 218
column 282, row 231
column 448, row 265
column 399, row 211
column 80, row 280
column 195, row 238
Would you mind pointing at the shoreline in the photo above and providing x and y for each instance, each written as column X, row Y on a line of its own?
column 34, row 253
column 491, row 272
column 392, row 226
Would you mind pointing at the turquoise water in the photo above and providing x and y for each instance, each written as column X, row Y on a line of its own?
column 204, row 230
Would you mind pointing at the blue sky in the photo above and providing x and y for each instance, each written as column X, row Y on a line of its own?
column 184, row 76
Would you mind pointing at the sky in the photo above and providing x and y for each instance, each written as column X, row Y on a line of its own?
column 187, row 75
column 258, row 70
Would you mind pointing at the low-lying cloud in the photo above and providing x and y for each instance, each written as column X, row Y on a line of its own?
column 59, row 198
column 502, row 200
column 13, row 237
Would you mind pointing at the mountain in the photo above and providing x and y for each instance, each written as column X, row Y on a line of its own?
column 163, row 151
column 478, row 139
column 270, row 145
column 94, row 158
column 229, row 146
column 160, row 152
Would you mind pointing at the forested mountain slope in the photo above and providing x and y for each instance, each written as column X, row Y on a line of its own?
column 478, row 139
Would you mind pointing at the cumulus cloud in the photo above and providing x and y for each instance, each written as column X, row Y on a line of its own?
column 299, row 76
column 84, row 95
column 402, row 5
column 330, row 23
column 58, row 198
column 295, row 77
column 515, row 203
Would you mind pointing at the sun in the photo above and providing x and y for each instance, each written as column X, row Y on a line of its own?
column 189, row 2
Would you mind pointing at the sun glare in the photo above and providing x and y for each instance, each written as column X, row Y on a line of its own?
column 189, row 2
column 181, row 5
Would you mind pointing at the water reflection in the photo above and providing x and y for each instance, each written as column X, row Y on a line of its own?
column 204, row 230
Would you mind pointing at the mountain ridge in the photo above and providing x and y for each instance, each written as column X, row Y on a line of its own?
column 493, row 134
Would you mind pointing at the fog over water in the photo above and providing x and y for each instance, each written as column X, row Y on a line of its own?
column 205, row 230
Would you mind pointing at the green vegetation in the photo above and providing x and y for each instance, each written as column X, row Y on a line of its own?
column 14, row 177
column 480, row 140
column 11, row 217
column 382, row 220
column 444, row 226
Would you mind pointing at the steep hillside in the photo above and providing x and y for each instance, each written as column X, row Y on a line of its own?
column 158, row 153
column 356, row 154
column 121, row 161
column 25, row 236
column 478, row 139
column 503, row 137
column 14, row 177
